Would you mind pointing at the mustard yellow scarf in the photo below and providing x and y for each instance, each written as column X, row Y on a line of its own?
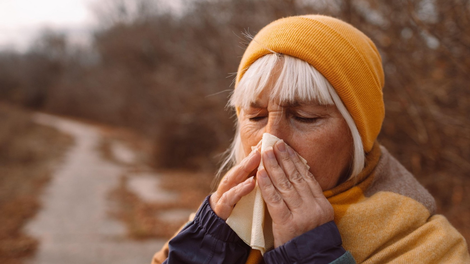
column 385, row 216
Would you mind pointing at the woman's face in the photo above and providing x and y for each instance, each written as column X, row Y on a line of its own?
column 318, row 133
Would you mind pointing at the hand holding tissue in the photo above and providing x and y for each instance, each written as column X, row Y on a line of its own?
column 250, row 218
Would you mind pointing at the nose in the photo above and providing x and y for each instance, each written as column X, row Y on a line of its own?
column 277, row 126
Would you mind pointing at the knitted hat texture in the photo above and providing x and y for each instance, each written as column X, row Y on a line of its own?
column 346, row 57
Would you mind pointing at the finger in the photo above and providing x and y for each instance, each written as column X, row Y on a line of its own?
column 280, row 180
column 274, row 202
column 317, row 197
column 239, row 173
column 293, row 173
column 224, row 206
column 305, row 173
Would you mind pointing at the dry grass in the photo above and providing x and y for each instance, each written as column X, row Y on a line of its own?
column 139, row 144
column 27, row 153
column 140, row 217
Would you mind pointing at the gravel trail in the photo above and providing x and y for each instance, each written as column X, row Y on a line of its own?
column 73, row 225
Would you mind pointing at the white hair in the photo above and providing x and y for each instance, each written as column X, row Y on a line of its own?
column 297, row 80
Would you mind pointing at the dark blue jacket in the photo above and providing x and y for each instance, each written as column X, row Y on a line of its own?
column 208, row 239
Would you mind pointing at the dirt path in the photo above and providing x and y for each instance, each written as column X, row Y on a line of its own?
column 73, row 225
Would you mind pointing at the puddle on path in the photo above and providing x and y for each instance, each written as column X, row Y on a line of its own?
column 122, row 153
column 147, row 187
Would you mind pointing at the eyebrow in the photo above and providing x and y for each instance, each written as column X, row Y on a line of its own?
column 291, row 104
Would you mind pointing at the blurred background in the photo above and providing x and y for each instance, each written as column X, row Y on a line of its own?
column 151, row 79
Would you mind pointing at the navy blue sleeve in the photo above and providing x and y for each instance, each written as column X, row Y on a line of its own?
column 321, row 245
column 207, row 239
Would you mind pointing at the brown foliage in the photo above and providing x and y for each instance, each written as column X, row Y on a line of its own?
column 165, row 75
column 141, row 217
column 425, row 51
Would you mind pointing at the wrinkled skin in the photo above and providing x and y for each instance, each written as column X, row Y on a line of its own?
column 292, row 192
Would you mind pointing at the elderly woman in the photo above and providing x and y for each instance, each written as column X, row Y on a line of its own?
column 332, row 193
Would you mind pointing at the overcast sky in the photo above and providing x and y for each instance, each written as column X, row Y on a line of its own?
column 21, row 20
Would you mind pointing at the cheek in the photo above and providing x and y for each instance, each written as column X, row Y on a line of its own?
column 328, row 154
column 250, row 135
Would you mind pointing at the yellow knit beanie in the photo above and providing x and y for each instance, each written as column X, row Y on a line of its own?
column 344, row 55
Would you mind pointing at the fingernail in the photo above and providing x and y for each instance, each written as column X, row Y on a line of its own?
column 270, row 153
column 281, row 146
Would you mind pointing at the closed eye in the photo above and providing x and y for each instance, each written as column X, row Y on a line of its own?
column 305, row 119
column 256, row 118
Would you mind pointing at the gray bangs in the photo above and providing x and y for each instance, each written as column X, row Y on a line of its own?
column 298, row 81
